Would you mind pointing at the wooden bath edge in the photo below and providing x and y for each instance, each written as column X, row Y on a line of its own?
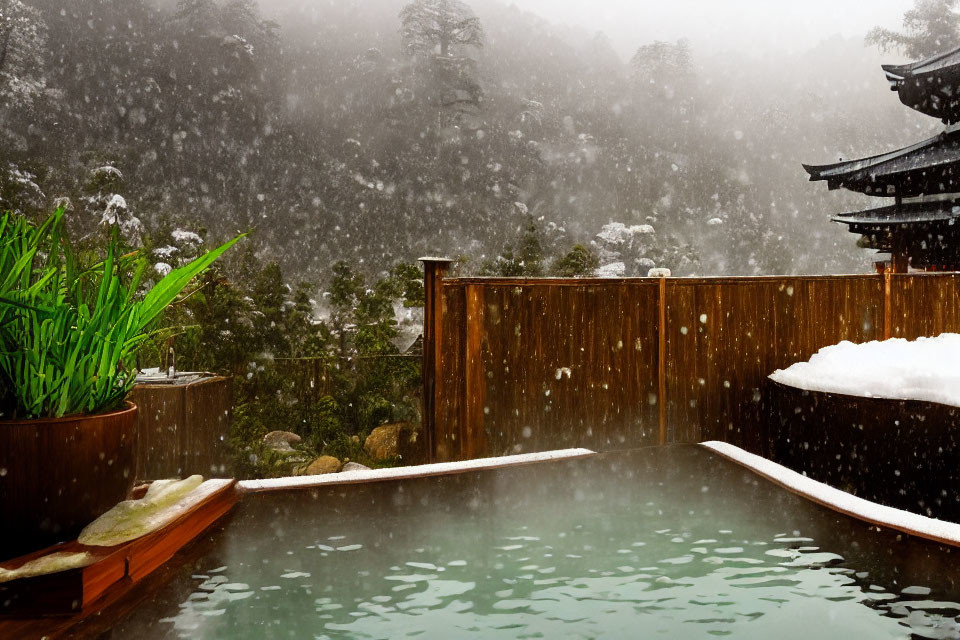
column 913, row 524
column 404, row 473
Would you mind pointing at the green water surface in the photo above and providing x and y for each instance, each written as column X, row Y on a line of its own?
column 626, row 547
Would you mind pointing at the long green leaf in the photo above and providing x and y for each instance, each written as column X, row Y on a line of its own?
column 165, row 291
column 68, row 332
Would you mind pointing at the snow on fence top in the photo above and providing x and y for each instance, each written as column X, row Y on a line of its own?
column 924, row 369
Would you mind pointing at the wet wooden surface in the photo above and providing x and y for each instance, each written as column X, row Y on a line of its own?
column 899, row 453
column 182, row 430
column 543, row 373
column 724, row 337
column 57, row 475
column 449, row 373
column 536, row 364
column 82, row 593
column 925, row 304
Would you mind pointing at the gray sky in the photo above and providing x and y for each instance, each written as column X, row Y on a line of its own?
column 749, row 26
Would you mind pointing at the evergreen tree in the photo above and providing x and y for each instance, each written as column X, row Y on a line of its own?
column 579, row 261
column 526, row 260
column 23, row 37
column 444, row 27
column 929, row 28
column 666, row 89
column 441, row 36
column 531, row 250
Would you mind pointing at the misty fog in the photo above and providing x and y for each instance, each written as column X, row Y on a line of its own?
column 313, row 124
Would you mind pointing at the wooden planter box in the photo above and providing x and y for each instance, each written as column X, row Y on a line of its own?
column 182, row 429
column 113, row 570
column 901, row 453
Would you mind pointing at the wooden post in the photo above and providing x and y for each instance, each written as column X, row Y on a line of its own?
column 434, row 269
column 662, row 362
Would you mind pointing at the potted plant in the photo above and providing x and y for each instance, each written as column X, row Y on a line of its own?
column 68, row 336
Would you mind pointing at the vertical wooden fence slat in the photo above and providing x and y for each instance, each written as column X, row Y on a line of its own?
column 680, row 349
column 474, row 439
column 662, row 361
column 450, row 377
column 887, row 307
column 434, row 270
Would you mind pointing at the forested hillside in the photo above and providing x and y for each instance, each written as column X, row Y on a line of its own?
column 348, row 129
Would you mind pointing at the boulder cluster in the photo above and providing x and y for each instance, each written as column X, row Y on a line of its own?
column 398, row 443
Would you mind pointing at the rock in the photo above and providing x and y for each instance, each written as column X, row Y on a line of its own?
column 322, row 465
column 398, row 440
column 289, row 464
column 355, row 466
column 281, row 441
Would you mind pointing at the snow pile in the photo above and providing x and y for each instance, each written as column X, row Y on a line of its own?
column 182, row 236
column 107, row 172
column 612, row 270
column 51, row 563
column 116, row 207
column 113, row 210
column 24, row 180
column 623, row 250
column 131, row 519
column 619, row 233
column 926, row 369
column 165, row 252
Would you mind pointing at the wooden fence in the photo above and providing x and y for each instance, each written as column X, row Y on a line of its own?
column 517, row 365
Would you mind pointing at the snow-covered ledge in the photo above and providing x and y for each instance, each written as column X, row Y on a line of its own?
column 910, row 523
column 422, row 471
column 926, row 369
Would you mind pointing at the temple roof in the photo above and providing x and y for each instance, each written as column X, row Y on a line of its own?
column 926, row 168
column 913, row 213
column 927, row 233
column 929, row 86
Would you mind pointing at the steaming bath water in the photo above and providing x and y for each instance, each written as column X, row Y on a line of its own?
column 671, row 543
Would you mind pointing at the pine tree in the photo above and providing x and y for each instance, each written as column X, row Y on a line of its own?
column 23, row 37
column 441, row 36
column 446, row 27
column 579, row 261
column 929, row 28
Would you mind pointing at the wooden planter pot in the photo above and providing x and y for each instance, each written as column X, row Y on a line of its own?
column 57, row 475
column 901, row 453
